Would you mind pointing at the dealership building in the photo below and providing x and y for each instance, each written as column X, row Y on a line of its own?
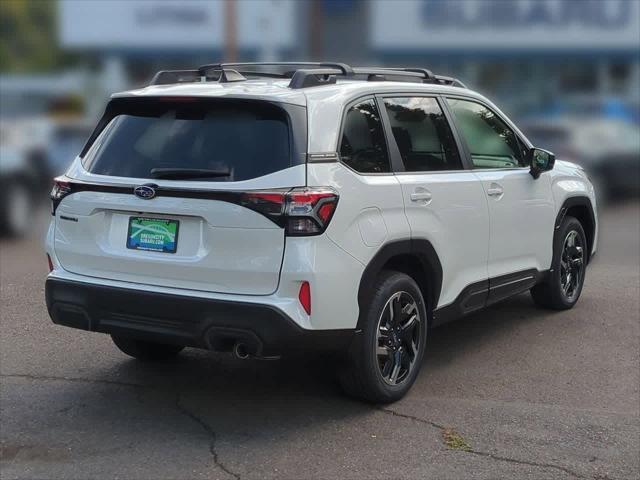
column 530, row 52
column 526, row 52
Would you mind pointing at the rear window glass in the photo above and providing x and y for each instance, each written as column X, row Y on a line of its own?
column 193, row 140
column 363, row 147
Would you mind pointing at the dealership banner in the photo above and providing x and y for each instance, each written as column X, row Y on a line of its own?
column 502, row 26
column 171, row 24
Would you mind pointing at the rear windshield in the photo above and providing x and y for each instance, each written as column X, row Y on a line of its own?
column 190, row 139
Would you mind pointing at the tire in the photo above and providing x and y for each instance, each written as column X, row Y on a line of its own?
column 146, row 351
column 368, row 374
column 555, row 293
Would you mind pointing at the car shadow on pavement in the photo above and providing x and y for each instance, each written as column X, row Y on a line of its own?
column 242, row 413
column 314, row 375
column 286, row 391
column 451, row 341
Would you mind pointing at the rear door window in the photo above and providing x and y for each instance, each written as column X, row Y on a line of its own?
column 193, row 140
column 422, row 134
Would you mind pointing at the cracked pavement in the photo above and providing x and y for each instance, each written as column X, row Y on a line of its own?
column 534, row 394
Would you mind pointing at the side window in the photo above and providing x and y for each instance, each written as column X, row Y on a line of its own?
column 491, row 142
column 363, row 147
column 422, row 134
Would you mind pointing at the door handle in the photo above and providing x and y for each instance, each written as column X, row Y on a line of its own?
column 421, row 195
column 495, row 190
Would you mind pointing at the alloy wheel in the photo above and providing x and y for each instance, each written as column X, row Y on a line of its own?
column 399, row 331
column 571, row 265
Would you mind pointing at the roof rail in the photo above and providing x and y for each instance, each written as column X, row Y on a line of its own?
column 429, row 77
column 451, row 81
column 316, row 77
column 311, row 74
column 166, row 77
column 343, row 67
column 232, row 72
column 426, row 74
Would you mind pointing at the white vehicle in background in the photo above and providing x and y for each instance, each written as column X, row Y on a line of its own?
column 62, row 140
column 608, row 149
column 16, row 191
column 23, row 179
column 265, row 208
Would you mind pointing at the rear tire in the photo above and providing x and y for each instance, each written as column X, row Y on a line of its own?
column 146, row 351
column 384, row 359
column 562, row 288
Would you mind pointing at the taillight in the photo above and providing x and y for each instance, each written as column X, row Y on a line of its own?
column 302, row 211
column 50, row 263
column 270, row 204
column 304, row 296
column 309, row 210
column 61, row 189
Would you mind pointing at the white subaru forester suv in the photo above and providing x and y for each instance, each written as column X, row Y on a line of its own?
column 265, row 208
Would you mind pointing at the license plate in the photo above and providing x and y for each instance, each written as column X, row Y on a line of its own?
column 154, row 234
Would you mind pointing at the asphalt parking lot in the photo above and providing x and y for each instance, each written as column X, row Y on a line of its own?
column 512, row 392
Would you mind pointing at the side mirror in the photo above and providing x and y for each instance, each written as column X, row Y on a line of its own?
column 540, row 161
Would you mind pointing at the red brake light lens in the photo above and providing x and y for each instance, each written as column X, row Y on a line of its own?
column 50, row 263
column 325, row 211
column 267, row 197
column 304, row 296
column 270, row 204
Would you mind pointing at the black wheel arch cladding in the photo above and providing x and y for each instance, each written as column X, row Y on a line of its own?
column 427, row 263
column 581, row 208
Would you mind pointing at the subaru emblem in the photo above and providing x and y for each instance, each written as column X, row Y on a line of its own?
column 145, row 191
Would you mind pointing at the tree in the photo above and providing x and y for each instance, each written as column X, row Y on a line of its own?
column 28, row 41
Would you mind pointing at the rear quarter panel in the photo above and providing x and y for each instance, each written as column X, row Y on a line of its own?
column 370, row 213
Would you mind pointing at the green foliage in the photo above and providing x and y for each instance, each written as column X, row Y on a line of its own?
column 455, row 441
column 28, row 37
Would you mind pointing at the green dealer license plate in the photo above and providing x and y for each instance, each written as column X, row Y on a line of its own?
column 155, row 234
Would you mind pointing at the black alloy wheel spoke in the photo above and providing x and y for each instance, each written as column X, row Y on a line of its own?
column 398, row 334
column 571, row 264
column 397, row 312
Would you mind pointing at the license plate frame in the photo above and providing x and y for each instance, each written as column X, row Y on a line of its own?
column 158, row 233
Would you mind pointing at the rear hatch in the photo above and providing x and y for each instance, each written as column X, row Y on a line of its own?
column 176, row 192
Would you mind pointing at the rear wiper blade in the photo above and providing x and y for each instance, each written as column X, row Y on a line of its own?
column 188, row 173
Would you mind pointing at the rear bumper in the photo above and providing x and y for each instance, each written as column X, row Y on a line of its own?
column 183, row 320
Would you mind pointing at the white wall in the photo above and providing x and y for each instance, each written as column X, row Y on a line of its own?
column 171, row 24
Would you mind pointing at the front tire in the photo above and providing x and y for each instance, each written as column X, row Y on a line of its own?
column 385, row 357
column 562, row 288
column 146, row 351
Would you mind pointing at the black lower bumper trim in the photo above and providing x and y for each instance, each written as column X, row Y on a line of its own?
column 183, row 320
